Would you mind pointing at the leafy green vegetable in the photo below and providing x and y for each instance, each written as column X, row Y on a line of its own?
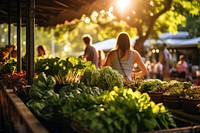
column 91, row 77
column 109, row 78
column 122, row 111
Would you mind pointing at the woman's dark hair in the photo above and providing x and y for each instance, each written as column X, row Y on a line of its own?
column 42, row 48
column 123, row 42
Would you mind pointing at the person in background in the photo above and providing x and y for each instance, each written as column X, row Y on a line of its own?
column 153, row 64
column 41, row 50
column 157, row 70
column 5, row 52
column 13, row 53
column 101, row 59
column 90, row 53
column 147, row 64
column 165, row 60
column 182, row 68
column 123, row 58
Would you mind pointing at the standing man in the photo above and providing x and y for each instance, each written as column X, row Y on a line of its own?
column 165, row 59
column 90, row 53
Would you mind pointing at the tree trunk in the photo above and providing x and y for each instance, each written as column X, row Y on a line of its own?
column 139, row 46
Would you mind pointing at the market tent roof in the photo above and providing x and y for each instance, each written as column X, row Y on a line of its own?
column 178, row 35
column 179, row 39
column 191, row 42
column 51, row 12
column 105, row 45
column 108, row 44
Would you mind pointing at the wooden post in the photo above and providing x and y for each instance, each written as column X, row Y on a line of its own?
column 30, row 24
column 19, row 23
column 9, row 21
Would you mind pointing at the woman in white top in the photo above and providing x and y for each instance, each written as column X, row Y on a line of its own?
column 124, row 54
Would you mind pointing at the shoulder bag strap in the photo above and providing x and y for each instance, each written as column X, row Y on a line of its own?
column 125, row 76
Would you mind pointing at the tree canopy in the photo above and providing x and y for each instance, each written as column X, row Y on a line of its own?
column 147, row 19
column 142, row 18
column 156, row 16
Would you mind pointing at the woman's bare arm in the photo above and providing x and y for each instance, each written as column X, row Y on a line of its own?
column 143, row 70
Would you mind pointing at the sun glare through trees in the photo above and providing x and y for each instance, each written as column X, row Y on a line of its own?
column 123, row 4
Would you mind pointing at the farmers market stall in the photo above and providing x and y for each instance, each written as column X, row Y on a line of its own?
column 27, row 122
column 73, row 96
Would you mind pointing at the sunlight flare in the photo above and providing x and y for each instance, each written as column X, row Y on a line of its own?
column 123, row 4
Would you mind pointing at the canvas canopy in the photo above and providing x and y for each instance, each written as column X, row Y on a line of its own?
column 178, row 43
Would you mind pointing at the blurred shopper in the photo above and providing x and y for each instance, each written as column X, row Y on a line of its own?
column 182, row 68
column 41, row 50
column 5, row 52
column 165, row 58
column 123, row 58
column 101, row 59
column 157, row 70
column 13, row 53
column 90, row 53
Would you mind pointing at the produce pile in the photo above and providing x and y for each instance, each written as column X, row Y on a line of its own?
column 98, row 108
column 95, row 100
column 156, row 85
column 192, row 93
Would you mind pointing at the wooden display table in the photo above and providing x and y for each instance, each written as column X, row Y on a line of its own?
column 17, row 117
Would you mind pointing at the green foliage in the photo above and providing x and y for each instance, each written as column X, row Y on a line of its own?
column 143, row 16
column 90, row 77
column 51, row 66
column 96, row 109
column 99, row 110
column 192, row 25
column 152, row 85
column 109, row 78
column 138, row 114
column 44, row 101
column 192, row 93
column 77, row 96
column 176, row 88
column 8, row 67
column 161, row 16
column 133, row 84
column 43, row 37
column 105, row 78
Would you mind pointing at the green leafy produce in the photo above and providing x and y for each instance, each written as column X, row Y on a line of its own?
column 176, row 88
column 109, row 78
column 118, row 110
column 191, row 93
column 133, row 84
column 152, row 85
column 77, row 96
column 124, row 111
column 71, row 70
column 44, row 101
column 91, row 77
column 9, row 67
column 50, row 66
column 105, row 78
